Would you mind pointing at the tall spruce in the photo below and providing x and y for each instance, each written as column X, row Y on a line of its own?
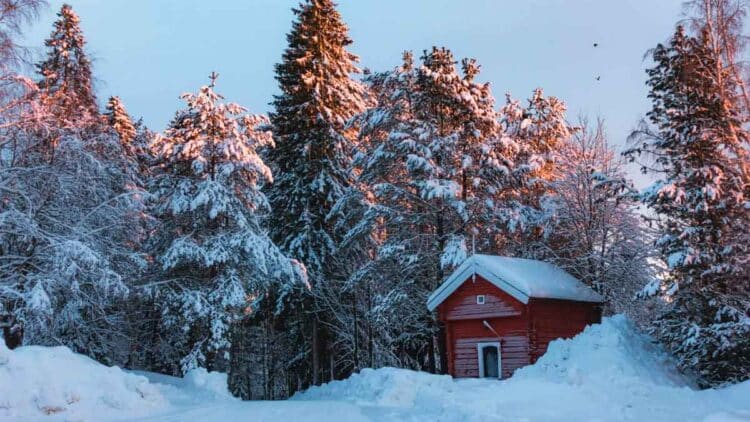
column 312, row 158
column 695, row 131
column 66, row 83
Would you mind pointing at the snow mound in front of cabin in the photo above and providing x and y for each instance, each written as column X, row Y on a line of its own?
column 613, row 352
column 37, row 381
column 391, row 387
column 611, row 371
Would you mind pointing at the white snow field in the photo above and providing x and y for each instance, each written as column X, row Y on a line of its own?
column 610, row 372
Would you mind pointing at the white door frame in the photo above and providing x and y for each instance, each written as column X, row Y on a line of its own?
column 482, row 345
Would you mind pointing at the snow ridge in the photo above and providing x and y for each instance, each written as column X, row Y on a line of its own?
column 610, row 372
column 53, row 381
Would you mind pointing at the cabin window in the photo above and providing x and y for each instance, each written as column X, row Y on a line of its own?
column 480, row 299
column 489, row 360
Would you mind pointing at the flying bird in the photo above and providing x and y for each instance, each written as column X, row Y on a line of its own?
column 596, row 44
column 598, row 78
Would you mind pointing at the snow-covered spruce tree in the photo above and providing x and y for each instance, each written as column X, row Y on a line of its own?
column 134, row 138
column 596, row 232
column 135, row 162
column 311, row 160
column 430, row 161
column 217, row 264
column 119, row 120
column 537, row 133
column 66, row 85
column 694, row 134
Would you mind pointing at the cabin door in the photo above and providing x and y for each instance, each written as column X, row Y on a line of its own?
column 489, row 360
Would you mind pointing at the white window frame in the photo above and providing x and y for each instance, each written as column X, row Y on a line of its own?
column 480, row 355
column 481, row 300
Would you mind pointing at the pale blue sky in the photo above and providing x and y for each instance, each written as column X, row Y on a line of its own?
column 150, row 51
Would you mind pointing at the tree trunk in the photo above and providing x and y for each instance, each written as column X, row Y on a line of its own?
column 13, row 335
column 442, row 349
column 266, row 359
column 330, row 366
column 432, row 364
column 356, row 334
column 370, row 339
column 315, row 353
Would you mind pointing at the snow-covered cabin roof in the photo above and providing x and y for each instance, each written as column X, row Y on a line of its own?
column 520, row 278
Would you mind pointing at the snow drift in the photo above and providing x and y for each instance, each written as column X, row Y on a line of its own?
column 613, row 352
column 197, row 385
column 37, row 381
column 609, row 372
column 389, row 387
column 610, row 353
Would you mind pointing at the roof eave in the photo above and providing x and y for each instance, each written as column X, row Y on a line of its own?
column 462, row 273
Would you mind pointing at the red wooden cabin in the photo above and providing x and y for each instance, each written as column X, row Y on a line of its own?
column 500, row 313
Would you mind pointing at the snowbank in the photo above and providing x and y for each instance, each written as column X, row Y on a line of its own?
column 54, row 381
column 390, row 387
column 609, row 372
column 613, row 352
column 196, row 386
column 211, row 383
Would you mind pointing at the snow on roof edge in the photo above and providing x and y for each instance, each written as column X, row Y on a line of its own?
column 570, row 288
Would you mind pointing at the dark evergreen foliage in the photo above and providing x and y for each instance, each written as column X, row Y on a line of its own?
column 312, row 155
column 696, row 137
column 67, row 83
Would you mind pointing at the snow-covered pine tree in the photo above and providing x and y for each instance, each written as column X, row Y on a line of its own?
column 312, row 158
column 430, row 162
column 217, row 264
column 542, row 130
column 693, row 134
column 66, row 85
column 537, row 133
column 119, row 120
column 134, row 139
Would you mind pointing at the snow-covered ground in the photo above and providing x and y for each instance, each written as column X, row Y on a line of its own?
column 608, row 373
column 53, row 383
